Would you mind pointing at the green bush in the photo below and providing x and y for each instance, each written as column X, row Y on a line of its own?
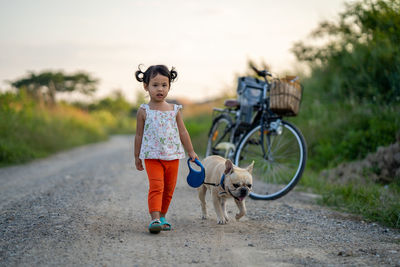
column 343, row 131
column 198, row 127
column 360, row 59
column 28, row 131
column 351, row 103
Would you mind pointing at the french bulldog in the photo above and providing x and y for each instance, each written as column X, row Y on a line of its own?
column 225, row 180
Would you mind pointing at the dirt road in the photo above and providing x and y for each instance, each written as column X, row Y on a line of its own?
column 88, row 206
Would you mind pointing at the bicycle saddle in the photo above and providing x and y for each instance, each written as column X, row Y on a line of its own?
column 196, row 178
column 231, row 103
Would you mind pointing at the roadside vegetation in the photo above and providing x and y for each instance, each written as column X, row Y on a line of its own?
column 351, row 107
column 33, row 128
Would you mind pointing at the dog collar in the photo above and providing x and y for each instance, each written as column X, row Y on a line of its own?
column 222, row 182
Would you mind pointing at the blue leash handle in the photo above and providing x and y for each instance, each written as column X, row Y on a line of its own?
column 198, row 163
column 196, row 178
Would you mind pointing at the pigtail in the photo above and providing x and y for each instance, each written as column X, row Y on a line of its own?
column 139, row 74
column 152, row 71
column 173, row 73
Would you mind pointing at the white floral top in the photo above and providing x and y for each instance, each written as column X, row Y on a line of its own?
column 161, row 135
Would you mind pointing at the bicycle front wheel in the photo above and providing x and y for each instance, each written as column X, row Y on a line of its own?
column 279, row 159
column 220, row 132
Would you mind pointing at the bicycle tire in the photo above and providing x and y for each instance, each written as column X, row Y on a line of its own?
column 222, row 123
column 281, row 168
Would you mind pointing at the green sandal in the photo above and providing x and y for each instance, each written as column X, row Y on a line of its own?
column 166, row 226
column 155, row 226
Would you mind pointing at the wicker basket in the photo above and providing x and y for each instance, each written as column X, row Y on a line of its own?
column 285, row 96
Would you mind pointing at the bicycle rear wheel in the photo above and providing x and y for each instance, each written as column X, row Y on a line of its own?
column 220, row 132
column 279, row 159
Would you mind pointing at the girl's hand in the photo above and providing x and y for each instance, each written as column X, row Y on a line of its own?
column 193, row 155
column 139, row 165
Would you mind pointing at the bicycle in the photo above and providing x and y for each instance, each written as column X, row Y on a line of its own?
column 250, row 128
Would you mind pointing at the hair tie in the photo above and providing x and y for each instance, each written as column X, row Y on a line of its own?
column 139, row 73
column 173, row 74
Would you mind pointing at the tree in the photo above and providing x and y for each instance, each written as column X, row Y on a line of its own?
column 360, row 58
column 140, row 98
column 116, row 103
column 44, row 86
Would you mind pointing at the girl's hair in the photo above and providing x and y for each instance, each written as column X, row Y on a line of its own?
column 152, row 72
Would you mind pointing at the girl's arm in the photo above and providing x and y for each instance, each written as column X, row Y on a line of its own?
column 185, row 138
column 138, row 137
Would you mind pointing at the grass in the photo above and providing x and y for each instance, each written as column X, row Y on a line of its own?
column 198, row 127
column 373, row 201
column 340, row 132
column 29, row 131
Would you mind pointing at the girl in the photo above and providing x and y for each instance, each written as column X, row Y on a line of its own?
column 160, row 134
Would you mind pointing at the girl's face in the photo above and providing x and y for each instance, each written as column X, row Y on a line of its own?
column 158, row 88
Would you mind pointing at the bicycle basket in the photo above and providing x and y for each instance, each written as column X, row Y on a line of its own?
column 285, row 96
column 249, row 95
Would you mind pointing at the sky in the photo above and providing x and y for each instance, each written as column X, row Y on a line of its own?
column 207, row 41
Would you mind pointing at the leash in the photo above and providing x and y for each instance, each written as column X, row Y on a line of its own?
column 221, row 182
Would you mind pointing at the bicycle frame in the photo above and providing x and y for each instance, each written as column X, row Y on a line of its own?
column 262, row 117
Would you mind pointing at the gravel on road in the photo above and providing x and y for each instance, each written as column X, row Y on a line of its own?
column 88, row 206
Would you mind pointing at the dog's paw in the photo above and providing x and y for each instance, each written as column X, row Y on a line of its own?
column 226, row 218
column 204, row 217
column 238, row 216
column 221, row 221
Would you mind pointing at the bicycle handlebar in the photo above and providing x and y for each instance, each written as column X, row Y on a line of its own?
column 263, row 73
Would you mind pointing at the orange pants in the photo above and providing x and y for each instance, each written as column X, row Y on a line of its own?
column 162, row 179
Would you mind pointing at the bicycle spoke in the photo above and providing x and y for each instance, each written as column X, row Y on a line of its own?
column 279, row 167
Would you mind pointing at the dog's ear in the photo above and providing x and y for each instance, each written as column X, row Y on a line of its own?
column 228, row 167
column 250, row 167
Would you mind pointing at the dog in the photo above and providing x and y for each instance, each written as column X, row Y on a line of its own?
column 225, row 180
